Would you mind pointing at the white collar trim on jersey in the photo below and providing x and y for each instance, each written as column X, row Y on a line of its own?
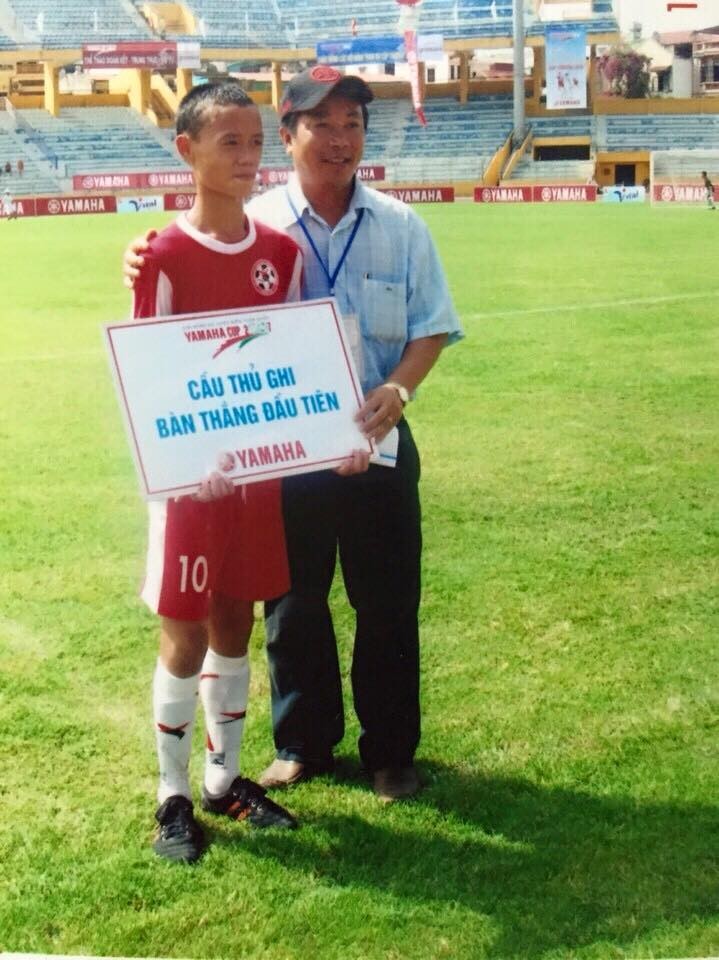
column 217, row 245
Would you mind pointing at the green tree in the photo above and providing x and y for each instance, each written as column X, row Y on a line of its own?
column 626, row 71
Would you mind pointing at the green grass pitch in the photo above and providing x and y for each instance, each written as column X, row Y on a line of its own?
column 570, row 747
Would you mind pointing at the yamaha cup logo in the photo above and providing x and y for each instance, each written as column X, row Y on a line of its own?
column 265, row 278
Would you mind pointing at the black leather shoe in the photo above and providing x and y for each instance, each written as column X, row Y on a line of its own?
column 245, row 800
column 179, row 836
column 394, row 783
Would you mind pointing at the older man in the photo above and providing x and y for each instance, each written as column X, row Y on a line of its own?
column 377, row 258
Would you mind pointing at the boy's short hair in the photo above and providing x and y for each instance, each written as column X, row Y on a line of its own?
column 190, row 113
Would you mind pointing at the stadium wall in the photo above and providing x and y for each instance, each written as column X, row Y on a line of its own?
column 400, row 90
column 35, row 102
column 610, row 106
column 606, row 165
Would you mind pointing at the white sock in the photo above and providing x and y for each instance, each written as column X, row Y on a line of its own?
column 224, row 684
column 174, row 703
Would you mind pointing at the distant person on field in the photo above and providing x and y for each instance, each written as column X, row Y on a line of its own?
column 9, row 208
column 709, row 187
column 20, row 167
column 211, row 555
column 8, row 167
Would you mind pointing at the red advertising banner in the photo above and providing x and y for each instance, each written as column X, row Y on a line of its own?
column 179, row 201
column 66, row 206
column 682, row 192
column 133, row 181
column 565, row 193
column 170, row 178
column 271, row 176
column 420, row 194
column 146, row 55
column 22, row 207
column 502, row 194
column 540, row 193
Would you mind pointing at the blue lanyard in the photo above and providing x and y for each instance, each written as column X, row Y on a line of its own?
column 331, row 277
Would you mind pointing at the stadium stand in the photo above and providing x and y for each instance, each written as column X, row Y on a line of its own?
column 6, row 42
column 69, row 23
column 659, row 132
column 38, row 176
column 682, row 165
column 457, row 143
column 553, row 171
column 277, row 23
column 581, row 126
column 388, row 122
column 598, row 24
column 301, row 23
column 273, row 152
column 101, row 139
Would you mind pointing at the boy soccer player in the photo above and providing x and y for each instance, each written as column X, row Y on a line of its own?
column 210, row 556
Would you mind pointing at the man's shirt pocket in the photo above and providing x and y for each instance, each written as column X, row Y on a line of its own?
column 384, row 310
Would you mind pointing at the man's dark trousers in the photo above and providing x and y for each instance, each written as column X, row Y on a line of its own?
column 374, row 520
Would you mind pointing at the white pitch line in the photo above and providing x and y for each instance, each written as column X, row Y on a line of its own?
column 524, row 312
column 595, row 305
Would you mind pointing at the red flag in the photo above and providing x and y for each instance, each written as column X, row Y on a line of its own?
column 410, row 48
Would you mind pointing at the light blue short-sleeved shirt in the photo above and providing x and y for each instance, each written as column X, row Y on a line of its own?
column 391, row 280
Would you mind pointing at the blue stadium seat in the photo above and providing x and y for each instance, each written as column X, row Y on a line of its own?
column 70, row 23
column 102, row 139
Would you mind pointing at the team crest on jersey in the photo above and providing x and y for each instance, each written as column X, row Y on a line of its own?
column 265, row 278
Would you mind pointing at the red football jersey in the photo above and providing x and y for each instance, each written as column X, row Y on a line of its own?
column 189, row 272
column 235, row 545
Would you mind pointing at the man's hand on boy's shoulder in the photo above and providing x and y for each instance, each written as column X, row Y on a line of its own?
column 133, row 261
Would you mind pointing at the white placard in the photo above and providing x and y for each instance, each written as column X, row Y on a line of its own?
column 255, row 393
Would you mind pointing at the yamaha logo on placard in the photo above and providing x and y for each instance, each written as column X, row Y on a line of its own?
column 265, row 278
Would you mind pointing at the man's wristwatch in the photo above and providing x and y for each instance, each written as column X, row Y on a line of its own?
column 402, row 392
